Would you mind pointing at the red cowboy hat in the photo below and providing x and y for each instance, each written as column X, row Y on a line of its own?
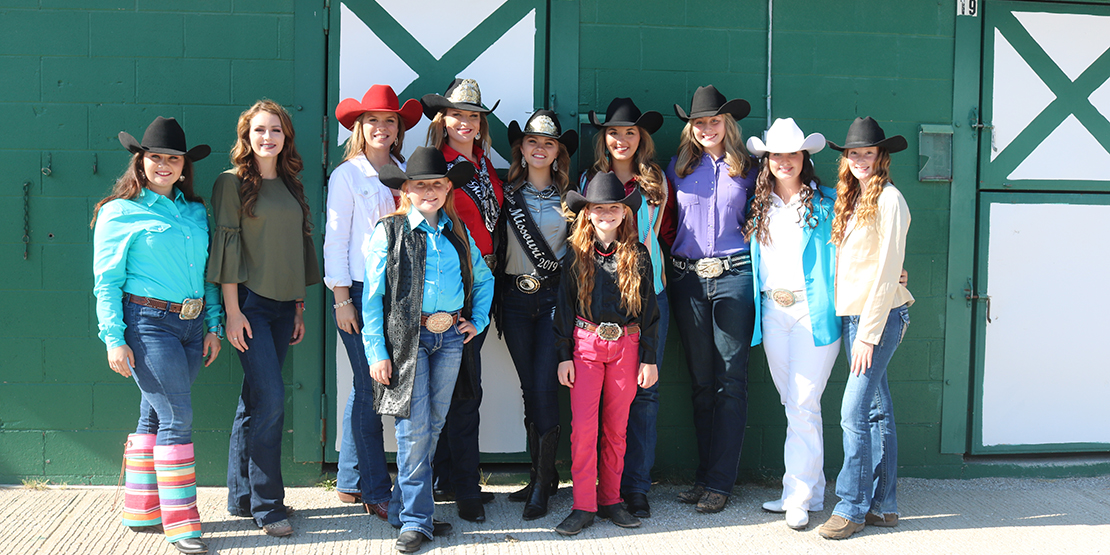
column 380, row 98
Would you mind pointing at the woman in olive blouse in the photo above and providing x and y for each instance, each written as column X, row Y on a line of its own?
column 263, row 257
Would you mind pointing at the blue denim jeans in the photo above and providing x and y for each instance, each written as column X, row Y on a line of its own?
column 437, row 368
column 639, row 454
column 528, row 324
column 457, row 456
column 715, row 318
column 167, row 360
column 254, row 484
column 867, row 481
column 346, row 477
column 365, row 424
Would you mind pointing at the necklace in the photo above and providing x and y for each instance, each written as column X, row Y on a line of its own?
column 545, row 194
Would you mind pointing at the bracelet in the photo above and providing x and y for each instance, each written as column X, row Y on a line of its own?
column 344, row 303
column 300, row 305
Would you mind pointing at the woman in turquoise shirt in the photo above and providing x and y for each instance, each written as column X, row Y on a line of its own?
column 150, row 248
column 789, row 227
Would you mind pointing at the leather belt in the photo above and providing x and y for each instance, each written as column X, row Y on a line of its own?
column 440, row 321
column 713, row 266
column 607, row 330
column 531, row 284
column 189, row 310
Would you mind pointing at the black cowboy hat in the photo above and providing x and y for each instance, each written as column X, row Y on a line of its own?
column 622, row 112
column 164, row 136
column 604, row 188
column 544, row 123
column 462, row 94
column 426, row 163
column 708, row 102
column 866, row 132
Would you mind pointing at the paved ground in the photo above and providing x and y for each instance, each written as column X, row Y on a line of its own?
column 939, row 516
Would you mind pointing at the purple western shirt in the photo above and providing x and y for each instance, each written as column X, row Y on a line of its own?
column 712, row 209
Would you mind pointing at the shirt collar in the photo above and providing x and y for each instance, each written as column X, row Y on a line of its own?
column 452, row 154
column 367, row 168
column 148, row 197
column 416, row 219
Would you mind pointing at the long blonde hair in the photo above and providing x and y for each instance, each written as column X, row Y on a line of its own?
column 356, row 143
column 690, row 150
column 289, row 163
column 437, row 133
column 629, row 269
column 448, row 208
column 849, row 198
column 649, row 176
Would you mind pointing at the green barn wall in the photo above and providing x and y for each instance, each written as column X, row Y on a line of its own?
column 828, row 68
column 74, row 75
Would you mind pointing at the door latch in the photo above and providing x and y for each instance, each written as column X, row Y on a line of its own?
column 969, row 295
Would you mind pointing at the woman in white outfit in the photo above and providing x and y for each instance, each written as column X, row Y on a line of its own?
column 789, row 228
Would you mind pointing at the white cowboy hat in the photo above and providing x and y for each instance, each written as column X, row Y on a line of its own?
column 785, row 136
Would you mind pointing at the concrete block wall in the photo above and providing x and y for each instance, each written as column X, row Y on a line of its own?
column 832, row 62
column 76, row 73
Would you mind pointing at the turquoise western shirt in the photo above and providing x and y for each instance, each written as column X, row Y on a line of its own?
column 153, row 247
column 443, row 286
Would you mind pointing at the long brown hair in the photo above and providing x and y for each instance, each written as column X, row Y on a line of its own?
column 131, row 183
column 649, row 176
column 690, row 150
column 356, row 143
column 849, row 198
column 761, row 201
column 560, row 179
column 437, row 133
column 629, row 269
column 289, row 163
column 448, row 208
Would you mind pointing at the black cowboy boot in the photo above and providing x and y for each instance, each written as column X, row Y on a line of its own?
column 524, row 493
column 547, row 478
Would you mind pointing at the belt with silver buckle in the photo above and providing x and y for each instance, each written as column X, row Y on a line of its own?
column 189, row 309
column 713, row 266
column 607, row 330
column 785, row 297
column 530, row 284
column 439, row 322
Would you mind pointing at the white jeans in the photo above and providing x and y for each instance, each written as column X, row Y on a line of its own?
column 800, row 370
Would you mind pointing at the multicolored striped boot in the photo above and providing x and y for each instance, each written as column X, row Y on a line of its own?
column 177, row 493
column 140, row 495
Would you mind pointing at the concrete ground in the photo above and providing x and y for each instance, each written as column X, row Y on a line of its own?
column 938, row 516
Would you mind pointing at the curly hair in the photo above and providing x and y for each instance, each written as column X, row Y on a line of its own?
column 289, row 163
column 850, row 199
column 133, row 179
column 437, row 133
column 690, row 150
column 629, row 266
column 761, row 201
column 356, row 143
column 648, row 174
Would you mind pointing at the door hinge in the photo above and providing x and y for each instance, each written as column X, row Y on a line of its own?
column 327, row 16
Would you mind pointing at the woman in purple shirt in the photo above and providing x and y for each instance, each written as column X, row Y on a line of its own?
column 714, row 176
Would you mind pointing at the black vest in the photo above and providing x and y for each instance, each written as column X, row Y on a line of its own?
column 402, row 303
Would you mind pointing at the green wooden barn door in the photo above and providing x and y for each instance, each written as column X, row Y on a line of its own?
column 1041, row 379
column 418, row 48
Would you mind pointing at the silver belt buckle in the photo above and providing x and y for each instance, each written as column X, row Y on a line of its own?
column 609, row 331
column 527, row 283
column 783, row 297
column 491, row 261
column 709, row 267
column 191, row 308
column 439, row 322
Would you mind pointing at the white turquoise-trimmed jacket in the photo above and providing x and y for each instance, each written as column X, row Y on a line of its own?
column 819, row 265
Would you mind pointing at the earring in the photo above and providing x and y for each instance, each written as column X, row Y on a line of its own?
column 182, row 178
column 555, row 166
column 523, row 163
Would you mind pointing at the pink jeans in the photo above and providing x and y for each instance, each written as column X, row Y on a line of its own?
column 604, row 372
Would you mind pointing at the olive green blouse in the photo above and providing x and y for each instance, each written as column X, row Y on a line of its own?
column 268, row 253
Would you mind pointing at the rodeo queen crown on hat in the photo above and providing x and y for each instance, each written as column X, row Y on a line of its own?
column 544, row 123
column 380, row 98
column 604, row 188
column 462, row 94
column 785, row 137
column 426, row 163
column 865, row 132
column 164, row 136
